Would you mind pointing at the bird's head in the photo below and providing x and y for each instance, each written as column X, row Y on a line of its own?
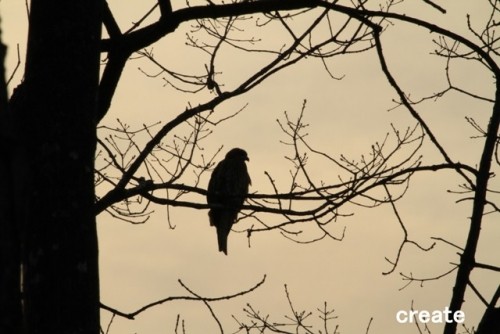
column 237, row 154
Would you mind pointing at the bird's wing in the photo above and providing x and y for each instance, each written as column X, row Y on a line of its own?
column 215, row 185
column 235, row 185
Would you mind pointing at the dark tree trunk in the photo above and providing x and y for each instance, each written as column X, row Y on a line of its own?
column 51, row 125
column 10, row 294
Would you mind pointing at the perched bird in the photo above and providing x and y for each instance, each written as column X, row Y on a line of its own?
column 227, row 190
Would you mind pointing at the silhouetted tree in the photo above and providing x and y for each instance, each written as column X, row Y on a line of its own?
column 48, row 220
column 48, row 144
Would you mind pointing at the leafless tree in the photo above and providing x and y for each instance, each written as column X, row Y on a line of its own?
column 137, row 167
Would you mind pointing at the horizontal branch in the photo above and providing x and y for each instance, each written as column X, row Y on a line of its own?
column 146, row 189
column 148, row 35
column 363, row 14
column 486, row 266
column 133, row 314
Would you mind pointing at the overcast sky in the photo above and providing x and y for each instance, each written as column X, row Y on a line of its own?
column 142, row 263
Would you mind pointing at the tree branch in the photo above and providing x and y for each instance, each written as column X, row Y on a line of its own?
column 132, row 315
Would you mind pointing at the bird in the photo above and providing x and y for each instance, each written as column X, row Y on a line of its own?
column 227, row 190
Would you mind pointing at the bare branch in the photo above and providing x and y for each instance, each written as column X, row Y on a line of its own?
column 132, row 315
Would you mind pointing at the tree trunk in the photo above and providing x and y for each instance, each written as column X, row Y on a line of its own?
column 51, row 123
column 10, row 294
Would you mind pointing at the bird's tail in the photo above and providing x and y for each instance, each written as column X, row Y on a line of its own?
column 222, row 220
column 222, row 235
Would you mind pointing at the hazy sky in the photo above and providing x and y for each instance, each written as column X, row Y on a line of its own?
column 142, row 263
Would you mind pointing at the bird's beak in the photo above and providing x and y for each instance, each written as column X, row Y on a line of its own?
column 247, row 159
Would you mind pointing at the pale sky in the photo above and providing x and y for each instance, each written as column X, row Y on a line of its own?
column 142, row 263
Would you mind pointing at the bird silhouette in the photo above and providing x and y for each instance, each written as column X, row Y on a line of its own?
column 227, row 190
